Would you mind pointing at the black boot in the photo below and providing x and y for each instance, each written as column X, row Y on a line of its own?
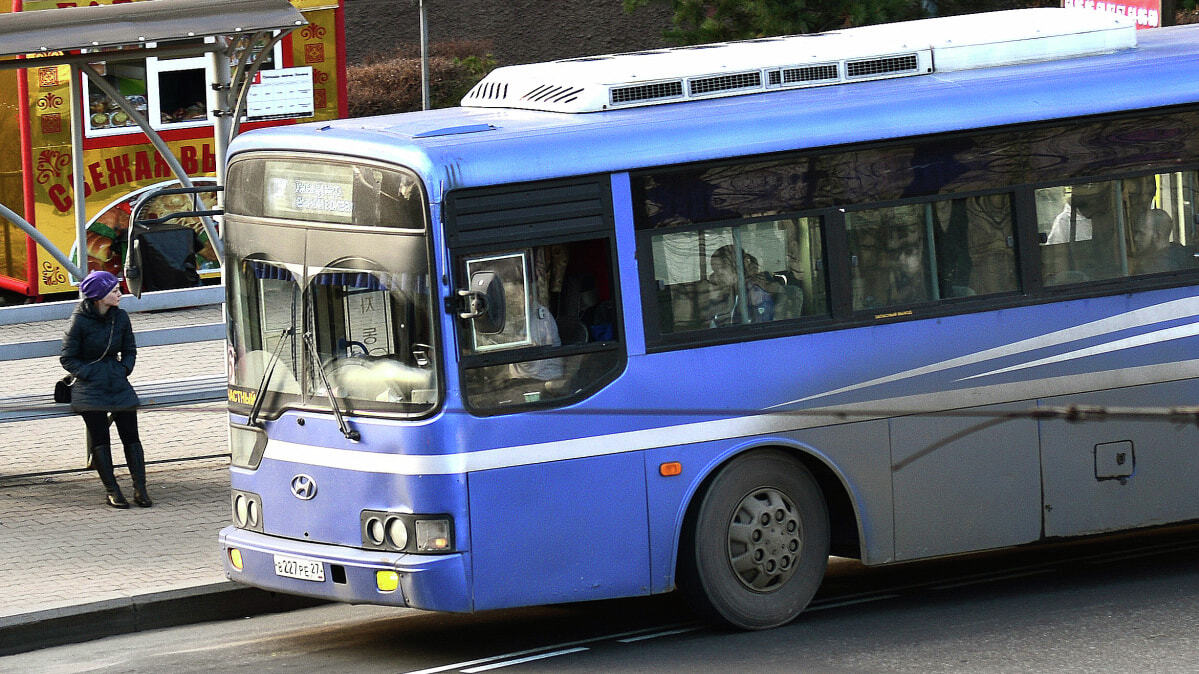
column 116, row 499
column 140, row 497
column 102, row 458
column 135, row 458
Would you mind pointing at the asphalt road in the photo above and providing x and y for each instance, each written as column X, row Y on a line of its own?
column 1123, row 604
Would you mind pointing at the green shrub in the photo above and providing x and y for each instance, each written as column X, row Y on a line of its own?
column 390, row 82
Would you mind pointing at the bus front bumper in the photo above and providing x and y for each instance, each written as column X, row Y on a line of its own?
column 352, row 575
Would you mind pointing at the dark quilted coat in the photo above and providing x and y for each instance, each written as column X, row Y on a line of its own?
column 100, row 384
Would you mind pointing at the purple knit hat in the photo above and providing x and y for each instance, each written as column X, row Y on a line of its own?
column 98, row 284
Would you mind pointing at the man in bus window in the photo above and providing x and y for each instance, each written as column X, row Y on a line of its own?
column 907, row 277
column 1153, row 251
column 728, row 305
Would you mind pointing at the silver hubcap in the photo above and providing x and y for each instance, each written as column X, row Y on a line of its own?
column 765, row 540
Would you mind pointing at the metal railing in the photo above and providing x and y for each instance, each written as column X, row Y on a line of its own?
column 181, row 391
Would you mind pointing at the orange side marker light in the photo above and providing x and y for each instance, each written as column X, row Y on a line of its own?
column 670, row 469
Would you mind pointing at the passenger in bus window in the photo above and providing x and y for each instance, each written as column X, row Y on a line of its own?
column 1153, row 251
column 1074, row 222
column 728, row 305
column 543, row 330
column 908, row 279
column 1083, row 244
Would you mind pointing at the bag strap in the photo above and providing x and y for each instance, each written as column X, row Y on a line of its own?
column 107, row 346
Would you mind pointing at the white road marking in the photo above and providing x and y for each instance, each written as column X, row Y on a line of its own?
column 655, row 635
column 542, row 649
column 530, row 658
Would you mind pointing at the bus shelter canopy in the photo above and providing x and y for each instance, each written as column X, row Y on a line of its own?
column 136, row 23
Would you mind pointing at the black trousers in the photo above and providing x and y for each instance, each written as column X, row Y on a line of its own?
column 97, row 426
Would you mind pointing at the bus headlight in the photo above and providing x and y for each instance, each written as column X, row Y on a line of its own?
column 406, row 532
column 247, row 510
column 373, row 530
column 397, row 533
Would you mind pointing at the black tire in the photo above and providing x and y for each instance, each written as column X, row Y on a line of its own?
column 756, row 548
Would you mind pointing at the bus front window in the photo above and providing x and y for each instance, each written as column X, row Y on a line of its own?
column 373, row 338
column 265, row 306
column 330, row 294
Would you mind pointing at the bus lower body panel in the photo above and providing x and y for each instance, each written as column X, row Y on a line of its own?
column 430, row 582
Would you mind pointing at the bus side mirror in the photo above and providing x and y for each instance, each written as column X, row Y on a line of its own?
column 484, row 302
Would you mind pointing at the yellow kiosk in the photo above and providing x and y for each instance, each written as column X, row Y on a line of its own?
column 159, row 88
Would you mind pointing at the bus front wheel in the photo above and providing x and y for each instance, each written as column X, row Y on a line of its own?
column 757, row 547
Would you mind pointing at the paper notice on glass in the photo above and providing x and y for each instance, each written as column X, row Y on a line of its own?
column 281, row 94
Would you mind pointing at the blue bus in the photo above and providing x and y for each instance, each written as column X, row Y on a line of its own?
column 698, row 318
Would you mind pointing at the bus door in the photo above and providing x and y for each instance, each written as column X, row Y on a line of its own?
column 538, row 337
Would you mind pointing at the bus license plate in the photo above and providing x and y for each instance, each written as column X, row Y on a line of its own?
column 298, row 567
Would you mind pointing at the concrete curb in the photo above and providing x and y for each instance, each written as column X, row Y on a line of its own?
column 85, row 622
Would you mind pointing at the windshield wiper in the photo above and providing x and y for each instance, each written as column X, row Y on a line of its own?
column 350, row 433
column 252, row 419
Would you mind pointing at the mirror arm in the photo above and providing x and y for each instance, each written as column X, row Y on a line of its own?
column 472, row 304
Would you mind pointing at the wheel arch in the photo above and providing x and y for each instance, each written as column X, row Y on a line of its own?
column 844, row 516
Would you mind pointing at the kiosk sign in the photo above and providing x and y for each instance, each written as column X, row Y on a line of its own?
column 281, row 94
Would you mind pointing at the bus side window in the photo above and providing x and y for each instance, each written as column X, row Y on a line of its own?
column 890, row 257
column 1103, row 230
column 975, row 245
column 555, row 297
column 1081, row 227
column 1161, row 216
column 932, row 251
column 757, row 272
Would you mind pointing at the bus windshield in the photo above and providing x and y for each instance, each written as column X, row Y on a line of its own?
column 326, row 310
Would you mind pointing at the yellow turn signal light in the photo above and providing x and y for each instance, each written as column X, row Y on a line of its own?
column 387, row 581
column 235, row 558
column 670, row 469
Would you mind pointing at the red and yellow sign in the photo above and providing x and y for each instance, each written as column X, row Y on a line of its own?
column 113, row 179
column 1146, row 12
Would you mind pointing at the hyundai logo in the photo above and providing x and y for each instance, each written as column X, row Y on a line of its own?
column 303, row 487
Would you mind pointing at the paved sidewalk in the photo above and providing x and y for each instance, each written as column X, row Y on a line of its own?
column 73, row 568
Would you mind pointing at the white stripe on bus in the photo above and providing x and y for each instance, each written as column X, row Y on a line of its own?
column 720, row 429
column 1173, row 310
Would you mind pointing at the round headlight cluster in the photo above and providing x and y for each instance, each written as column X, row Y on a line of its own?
column 385, row 531
column 247, row 512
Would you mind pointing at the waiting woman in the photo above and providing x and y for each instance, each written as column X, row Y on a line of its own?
column 98, row 349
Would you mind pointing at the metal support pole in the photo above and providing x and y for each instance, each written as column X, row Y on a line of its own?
column 424, row 58
column 79, row 112
column 222, row 130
